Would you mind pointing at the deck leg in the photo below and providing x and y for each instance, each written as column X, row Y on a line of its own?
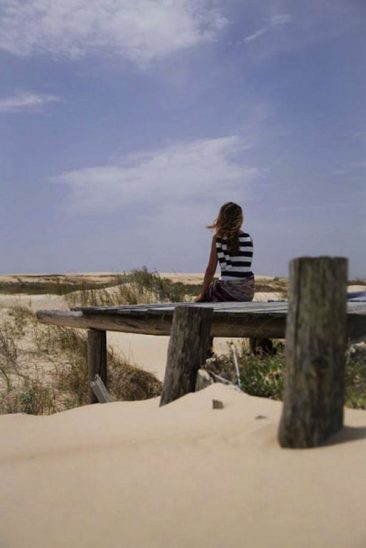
column 189, row 340
column 97, row 358
column 210, row 351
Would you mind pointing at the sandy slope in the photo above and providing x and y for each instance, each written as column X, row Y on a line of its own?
column 139, row 476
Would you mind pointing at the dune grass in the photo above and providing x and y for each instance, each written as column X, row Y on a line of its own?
column 162, row 287
column 130, row 284
column 137, row 287
column 43, row 369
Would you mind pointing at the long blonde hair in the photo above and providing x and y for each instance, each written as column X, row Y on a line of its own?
column 228, row 223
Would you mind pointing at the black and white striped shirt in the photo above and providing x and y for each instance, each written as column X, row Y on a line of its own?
column 235, row 265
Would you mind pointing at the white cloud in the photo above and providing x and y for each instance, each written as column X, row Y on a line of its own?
column 285, row 26
column 138, row 30
column 207, row 170
column 26, row 101
column 255, row 34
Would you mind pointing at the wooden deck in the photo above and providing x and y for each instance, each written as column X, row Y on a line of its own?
column 251, row 319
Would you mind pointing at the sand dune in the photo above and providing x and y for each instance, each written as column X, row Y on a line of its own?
column 136, row 475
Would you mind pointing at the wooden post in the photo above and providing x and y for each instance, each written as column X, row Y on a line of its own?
column 189, row 340
column 97, row 358
column 316, row 337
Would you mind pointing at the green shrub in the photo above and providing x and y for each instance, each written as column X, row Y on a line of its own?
column 355, row 377
column 263, row 375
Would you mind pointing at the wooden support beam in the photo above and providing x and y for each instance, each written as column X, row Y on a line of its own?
column 187, row 350
column 97, row 359
column 315, row 352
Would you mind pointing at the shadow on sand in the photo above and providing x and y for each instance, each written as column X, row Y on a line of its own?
column 348, row 433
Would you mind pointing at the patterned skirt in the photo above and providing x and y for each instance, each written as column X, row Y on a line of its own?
column 230, row 290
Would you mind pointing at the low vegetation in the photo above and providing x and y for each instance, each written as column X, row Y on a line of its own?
column 139, row 286
column 53, row 284
column 263, row 374
column 277, row 285
column 108, row 289
column 43, row 369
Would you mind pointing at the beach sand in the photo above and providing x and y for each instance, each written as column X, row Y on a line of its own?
column 135, row 475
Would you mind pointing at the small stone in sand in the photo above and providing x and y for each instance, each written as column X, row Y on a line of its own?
column 217, row 404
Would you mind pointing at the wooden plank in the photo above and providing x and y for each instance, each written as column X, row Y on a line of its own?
column 359, row 307
column 136, row 313
column 245, row 325
column 189, row 341
column 315, row 352
column 107, row 322
column 224, row 324
column 170, row 307
column 100, row 390
column 356, row 308
column 260, row 308
column 132, row 308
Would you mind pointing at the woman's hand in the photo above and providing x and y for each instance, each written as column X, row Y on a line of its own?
column 199, row 298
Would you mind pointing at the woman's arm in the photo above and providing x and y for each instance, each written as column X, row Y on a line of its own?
column 210, row 270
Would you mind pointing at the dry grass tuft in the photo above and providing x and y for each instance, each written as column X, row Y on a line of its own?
column 43, row 369
column 137, row 287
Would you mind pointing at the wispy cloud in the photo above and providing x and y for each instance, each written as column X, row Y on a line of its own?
column 283, row 26
column 207, row 169
column 256, row 34
column 26, row 101
column 275, row 21
column 138, row 30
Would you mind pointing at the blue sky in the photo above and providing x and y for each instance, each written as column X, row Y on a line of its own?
column 125, row 124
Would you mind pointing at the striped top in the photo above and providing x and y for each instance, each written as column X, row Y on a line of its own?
column 238, row 265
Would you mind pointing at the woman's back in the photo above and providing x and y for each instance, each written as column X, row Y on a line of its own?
column 235, row 264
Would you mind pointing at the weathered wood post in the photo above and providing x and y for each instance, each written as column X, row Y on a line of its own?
column 189, row 340
column 97, row 358
column 316, row 335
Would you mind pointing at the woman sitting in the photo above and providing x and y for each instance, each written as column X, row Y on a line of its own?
column 233, row 249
